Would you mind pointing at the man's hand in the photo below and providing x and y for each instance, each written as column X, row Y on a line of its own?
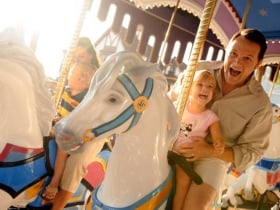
column 195, row 149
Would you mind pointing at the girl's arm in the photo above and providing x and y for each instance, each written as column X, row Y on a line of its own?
column 217, row 137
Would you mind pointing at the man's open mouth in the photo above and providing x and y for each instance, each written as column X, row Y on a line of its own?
column 234, row 72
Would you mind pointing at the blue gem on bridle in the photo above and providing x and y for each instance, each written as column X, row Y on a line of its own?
column 140, row 103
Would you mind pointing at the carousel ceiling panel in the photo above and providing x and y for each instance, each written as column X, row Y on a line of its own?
column 263, row 14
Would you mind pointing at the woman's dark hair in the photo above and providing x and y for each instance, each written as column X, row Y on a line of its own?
column 255, row 36
column 86, row 43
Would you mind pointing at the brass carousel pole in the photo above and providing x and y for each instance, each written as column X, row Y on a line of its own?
column 246, row 13
column 168, row 31
column 69, row 54
column 34, row 40
column 274, row 80
column 197, row 47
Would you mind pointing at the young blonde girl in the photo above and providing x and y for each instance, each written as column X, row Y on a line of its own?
column 197, row 120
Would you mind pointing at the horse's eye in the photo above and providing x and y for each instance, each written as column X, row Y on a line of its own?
column 112, row 99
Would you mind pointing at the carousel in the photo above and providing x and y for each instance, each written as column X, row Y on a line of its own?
column 136, row 172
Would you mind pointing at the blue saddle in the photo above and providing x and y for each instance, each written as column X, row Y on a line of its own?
column 21, row 168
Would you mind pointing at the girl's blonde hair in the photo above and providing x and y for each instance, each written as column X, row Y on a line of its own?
column 202, row 75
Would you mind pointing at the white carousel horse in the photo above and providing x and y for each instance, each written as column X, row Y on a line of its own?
column 262, row 177
column 127, row 97
column 26, row 112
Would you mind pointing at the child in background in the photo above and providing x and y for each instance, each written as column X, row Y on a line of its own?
column 197, row 120
column 79, row 79
column 85, row 52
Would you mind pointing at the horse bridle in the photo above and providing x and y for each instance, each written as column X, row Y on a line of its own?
column 140, row 103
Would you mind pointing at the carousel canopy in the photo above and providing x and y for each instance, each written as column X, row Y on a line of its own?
column 228, row 16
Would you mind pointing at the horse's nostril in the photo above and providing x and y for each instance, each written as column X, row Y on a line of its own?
column 65, row 138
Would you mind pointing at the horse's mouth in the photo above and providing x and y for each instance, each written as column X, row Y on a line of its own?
column 76, row 147
column 87, row 137
column 68, row 142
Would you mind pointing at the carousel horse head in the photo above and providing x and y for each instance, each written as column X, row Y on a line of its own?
column 127, row 97
column 125, row 83
column 26, row 112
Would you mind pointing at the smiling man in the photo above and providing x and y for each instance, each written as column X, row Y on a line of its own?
column 245, row 115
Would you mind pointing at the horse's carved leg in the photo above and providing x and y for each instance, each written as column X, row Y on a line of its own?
column 236, row 188
column 248, row 188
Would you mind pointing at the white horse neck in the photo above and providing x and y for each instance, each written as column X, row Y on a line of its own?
column 19, row 122
column 138, row 163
